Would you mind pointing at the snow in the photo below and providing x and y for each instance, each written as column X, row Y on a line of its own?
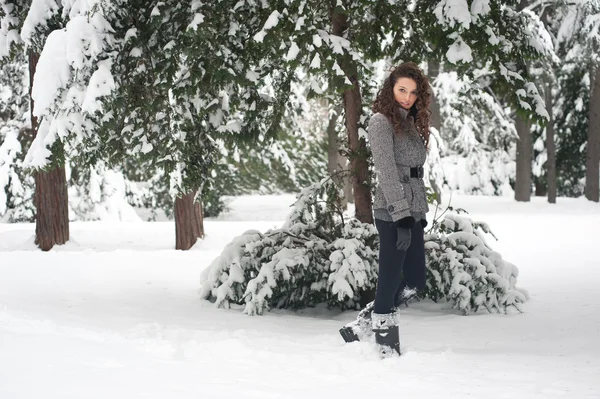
column 101, row 84
column 39, row 12
column 316, row 62
column 450, row 12
column 459, row 51
column 198, row 19
column 116, row 313
column 52, row 71
column 292, row 52
column 10, row 147
column 271, row 22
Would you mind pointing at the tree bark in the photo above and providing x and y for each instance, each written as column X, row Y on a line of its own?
column 333, row 147
column 357, row 147
column 335, row 161
column 433, row 70
column 51, row 198
column 524, row 158
column 524, row 151
column 592, row 163
column 189, row 223
column 550, row 147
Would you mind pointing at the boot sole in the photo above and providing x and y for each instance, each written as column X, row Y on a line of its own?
column 348, row 334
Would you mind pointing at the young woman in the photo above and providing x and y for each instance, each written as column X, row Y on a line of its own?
column 398, row 134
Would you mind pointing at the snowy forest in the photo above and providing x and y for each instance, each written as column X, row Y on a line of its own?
column 187, row 190
column 117, row 110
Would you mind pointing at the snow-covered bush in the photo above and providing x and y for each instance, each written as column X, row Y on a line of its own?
column 317, row 256
column 464, row 270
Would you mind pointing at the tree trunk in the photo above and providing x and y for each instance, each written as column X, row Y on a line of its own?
column 348, row 182
column 333, row 147
column 550, row 147
column 357, row 147
column 336, row 163
column 524, row 151
column 433, row 70
column 540, row 188
column 592, row 164
column 524, row 158
column 51, row 199
column 189, row 223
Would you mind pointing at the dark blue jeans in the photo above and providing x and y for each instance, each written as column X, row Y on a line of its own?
column 398, row 269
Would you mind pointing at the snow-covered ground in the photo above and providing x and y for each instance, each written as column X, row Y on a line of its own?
column 115, row 313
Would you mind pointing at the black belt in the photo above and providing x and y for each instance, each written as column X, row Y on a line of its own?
column 417, row 172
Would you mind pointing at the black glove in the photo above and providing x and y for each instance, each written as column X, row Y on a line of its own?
column 403, row 240
column 403, row 228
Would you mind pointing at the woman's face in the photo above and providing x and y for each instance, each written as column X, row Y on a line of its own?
column 405, row 92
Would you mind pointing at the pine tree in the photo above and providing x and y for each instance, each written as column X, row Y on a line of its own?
column 574, row 32
column 16, row 184
column 336, row 44
column 26, row 27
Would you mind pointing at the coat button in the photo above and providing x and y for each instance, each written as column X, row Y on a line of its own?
column 391, row 208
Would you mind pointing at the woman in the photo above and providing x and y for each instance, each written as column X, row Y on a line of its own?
column 398, row 134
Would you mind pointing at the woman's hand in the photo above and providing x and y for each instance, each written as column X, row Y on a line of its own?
column 403, row 240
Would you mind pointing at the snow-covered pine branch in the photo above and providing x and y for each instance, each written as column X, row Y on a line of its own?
column 464, row 270
column 315, row 257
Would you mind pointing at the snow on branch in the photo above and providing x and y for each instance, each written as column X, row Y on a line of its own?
column 465, row 271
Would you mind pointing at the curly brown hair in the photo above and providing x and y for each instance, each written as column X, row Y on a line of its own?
column 386, row 104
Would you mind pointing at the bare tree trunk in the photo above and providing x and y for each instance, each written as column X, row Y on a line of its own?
column 524, row 151
column 333, row 147
column 357, row 146
column 592, row 163
column 524, row 158
column 189, row 222
column 550, row 147
column 433, row 70
column 348, row 194
column 540, row 189
column 51, row 199
column 335, row 161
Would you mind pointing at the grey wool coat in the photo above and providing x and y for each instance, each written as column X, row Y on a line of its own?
column 394, row 154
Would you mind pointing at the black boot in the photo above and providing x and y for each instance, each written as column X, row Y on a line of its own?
column 404, row 296
column 387, row 336
column 359, row 329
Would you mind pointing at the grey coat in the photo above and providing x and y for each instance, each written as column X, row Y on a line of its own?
column 396, row 192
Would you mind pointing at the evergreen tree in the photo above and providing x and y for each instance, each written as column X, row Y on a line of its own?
column 574, row 33
column 335, row 45
column 16, row 184
column 26, row 27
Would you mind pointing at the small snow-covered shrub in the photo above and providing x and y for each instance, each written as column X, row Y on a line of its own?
column 317, row 256
column 465, row 271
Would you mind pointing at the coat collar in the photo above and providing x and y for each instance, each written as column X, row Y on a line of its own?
column 403, row 113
